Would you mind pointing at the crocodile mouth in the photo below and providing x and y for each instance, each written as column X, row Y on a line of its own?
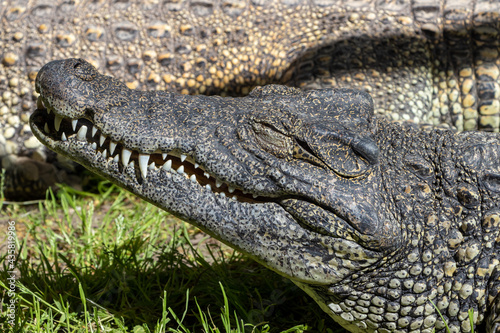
column 53, row 129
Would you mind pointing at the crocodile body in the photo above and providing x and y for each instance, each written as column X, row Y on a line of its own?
column 434, row 62
column 373, row 219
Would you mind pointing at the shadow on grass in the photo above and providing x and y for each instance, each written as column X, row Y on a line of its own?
column 123, row 288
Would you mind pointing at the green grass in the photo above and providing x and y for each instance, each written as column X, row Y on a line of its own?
column 109, row 262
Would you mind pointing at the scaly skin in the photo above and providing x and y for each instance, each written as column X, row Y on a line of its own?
column 426, row 62
column 372, row 219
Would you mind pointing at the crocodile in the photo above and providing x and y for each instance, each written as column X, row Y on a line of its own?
column 373, row 219
column 425, row 61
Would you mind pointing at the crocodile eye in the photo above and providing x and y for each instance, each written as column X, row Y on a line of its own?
column 83, row 70
column 492, row 182
column 304, row 152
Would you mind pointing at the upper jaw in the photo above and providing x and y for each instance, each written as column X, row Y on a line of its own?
column 57, row 132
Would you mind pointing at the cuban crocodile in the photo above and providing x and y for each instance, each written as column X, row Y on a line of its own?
column 373, row 219
column 425, row 61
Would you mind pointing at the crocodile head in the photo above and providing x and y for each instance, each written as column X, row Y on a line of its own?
column 355, row 210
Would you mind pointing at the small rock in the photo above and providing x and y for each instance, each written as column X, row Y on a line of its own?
column 9, row 132
column 13, row 120
column 11, row 147
column 32, row 143
column 9, row 59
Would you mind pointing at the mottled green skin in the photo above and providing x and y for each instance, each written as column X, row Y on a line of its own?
column 373, row 219
column 433, row 62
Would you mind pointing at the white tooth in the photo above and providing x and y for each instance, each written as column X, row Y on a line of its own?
column 39, row 103
column 181, row 169
column 126, row 156
column 183, row 157
column 164, row 155
column 222, row 194
column 112, row 146
column 143, row 164
column 193, row 178
column 168, row 165
column 208, row 187
column 94, row 145
column 116, row 159
column 231, row 189
column 218, row 183
column 102, row 139
column 131, row 165
column 152, row 166
column 46, row 128
column 233, row 197
column 104, row 153
column 63, row 137
column 73, row 124
column 206, row 174
column 57, row 122
column 196, row 165
column 254, row 196
column 94, row 131
column 82, row 133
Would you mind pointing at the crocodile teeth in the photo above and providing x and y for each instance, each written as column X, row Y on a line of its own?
column 183, row 157
column 222, row 194
column 46, row 128
column 168, row 165
column 82, row 133
column 116, row 159
column 112, row 146
column 126, row 156
column 143, row 164
column 206, row 174
column 181, row 169
column 208, row 187
column 230, row 189
column 94, row 131
column 63, row 137
column 57, row 122
column 94, row 145
column 164, row 155
column 73, row 124
column 102, row 139
column 104, row 153
column 196, row 165
column 193, row 178
column 218, row 183
column 152, row 166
